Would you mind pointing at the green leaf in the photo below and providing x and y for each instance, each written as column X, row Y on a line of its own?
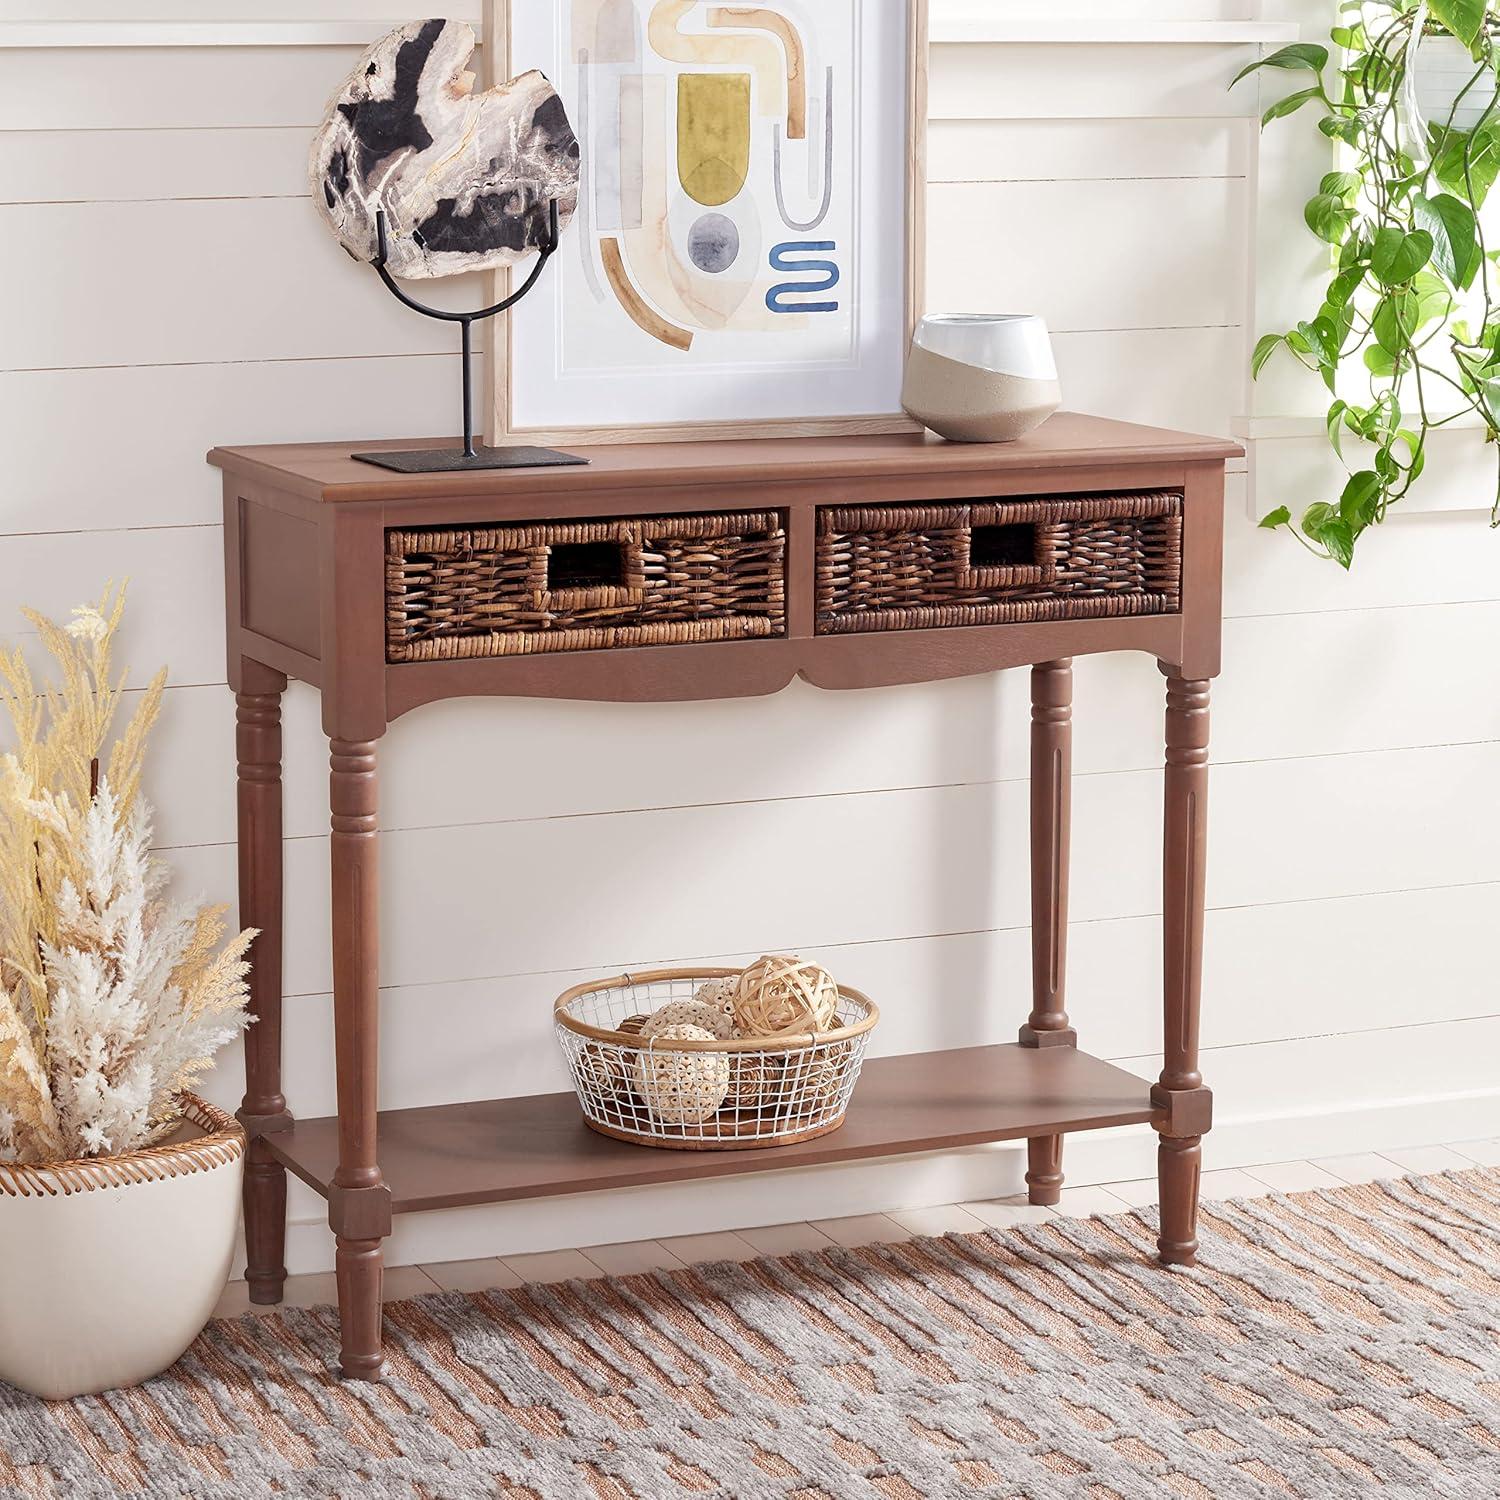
column 1323, row 524
column 1340, row 184
column 1395, row 321
column 1278, row 517
column 1289, row 105
column 1397, row 256
column 1335, row 425
column 1479, row 150
column 1265, row 347
column 1328, row 216
column 1357, row 503
column 1379, row 362
column 1417, row 450
column 1455, row 243
column 1299, row 55
column 1462, row 17
column 1320, row 340
column 1339, row 128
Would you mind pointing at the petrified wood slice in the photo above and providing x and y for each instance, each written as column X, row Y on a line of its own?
column 464, row 178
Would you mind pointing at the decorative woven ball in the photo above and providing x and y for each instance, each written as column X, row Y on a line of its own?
column 681, row 1088
column 813, row 1082
column 754, row 1079
column 718, row 993
column 689, row 1013
column 781, row 993
column 632, row 1025
column 601, row 1071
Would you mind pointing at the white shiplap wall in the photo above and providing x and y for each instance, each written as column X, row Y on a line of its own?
column 166, row 288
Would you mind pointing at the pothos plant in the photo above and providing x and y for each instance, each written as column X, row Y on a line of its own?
column 1407, row 339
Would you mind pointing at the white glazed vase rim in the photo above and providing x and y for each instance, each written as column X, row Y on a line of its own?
column 1003, row 343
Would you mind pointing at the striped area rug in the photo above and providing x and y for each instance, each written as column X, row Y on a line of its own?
column 1339, row 1343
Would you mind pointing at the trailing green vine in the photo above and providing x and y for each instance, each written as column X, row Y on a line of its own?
column 1407, row 339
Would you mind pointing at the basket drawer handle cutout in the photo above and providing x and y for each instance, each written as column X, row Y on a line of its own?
column 1008, row 553
column 607, row 571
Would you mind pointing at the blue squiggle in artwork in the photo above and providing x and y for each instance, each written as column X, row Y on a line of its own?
column 776, row 297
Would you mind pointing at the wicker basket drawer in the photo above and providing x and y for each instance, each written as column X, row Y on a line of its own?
column 917, row 567
column 584, row 586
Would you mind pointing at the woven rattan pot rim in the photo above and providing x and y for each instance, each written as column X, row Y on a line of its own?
column 222, row 1143
column 780, row 1042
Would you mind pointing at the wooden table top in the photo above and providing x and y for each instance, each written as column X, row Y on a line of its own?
column 326, row 472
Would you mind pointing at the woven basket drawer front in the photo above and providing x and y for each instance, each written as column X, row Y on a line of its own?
column 920, row 567
column 584, row 586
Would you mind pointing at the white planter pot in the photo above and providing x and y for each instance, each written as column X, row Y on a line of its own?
column 110, row 1268
column 1440, row 69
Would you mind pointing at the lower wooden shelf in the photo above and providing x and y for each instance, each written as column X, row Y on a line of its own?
column 538, row 1146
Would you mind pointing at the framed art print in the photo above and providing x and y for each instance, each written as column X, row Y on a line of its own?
column 746, row 252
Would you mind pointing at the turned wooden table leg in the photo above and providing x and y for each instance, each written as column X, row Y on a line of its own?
column 258, row 803
column 1051, row 812
column 1186, row 1104
column 359, row 1202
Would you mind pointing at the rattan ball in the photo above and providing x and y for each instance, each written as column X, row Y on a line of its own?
column 718, row 993
column 632, row 1025
column 754, row 1079
column 601, row 1071
column 681, row 1088
column 813, row 1082
column 781, row 993
column 689, row 1013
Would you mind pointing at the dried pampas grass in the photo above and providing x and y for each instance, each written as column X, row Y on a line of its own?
column 112, row 999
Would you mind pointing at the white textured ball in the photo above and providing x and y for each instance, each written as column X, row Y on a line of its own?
column 718, row 994
column 681, row 1088
column 689, row 1013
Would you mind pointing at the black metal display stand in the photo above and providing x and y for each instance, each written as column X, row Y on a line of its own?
column 449, row 460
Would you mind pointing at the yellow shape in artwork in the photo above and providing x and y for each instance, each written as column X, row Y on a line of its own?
column 736, row 49
column 713, row 135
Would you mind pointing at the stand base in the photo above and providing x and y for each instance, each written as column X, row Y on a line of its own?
column 453, row 461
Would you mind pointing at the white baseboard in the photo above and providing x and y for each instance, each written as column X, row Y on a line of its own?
column 884, row 1186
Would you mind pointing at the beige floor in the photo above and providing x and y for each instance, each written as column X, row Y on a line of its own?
column 867, row 1229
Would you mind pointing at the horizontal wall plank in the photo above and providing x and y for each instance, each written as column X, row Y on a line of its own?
column 472, row 10
column 1328, row 1073
column 1410, row 560
column 194, row 88
column 1043, row 250
column 56, row 166
column 1188, row 378
column 174, row 614
column 197, row 282
column 999, row 82
column 1085, row 150
column 494, row 1038
column 1461, row 474
column 464, row 902
column 268, row 10
column 473, row 761
column 156, row 425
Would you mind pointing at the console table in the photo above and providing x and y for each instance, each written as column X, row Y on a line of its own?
column 692, row 571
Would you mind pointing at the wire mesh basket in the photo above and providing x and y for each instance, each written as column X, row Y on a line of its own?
column 704, row 1095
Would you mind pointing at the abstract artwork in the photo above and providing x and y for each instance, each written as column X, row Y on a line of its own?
column 464, row 178
column 743, row 216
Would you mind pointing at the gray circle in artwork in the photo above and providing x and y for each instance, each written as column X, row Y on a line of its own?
column 713, row 243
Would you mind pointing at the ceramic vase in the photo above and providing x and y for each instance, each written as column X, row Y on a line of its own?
column 981, row 377
column 111, row 1266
